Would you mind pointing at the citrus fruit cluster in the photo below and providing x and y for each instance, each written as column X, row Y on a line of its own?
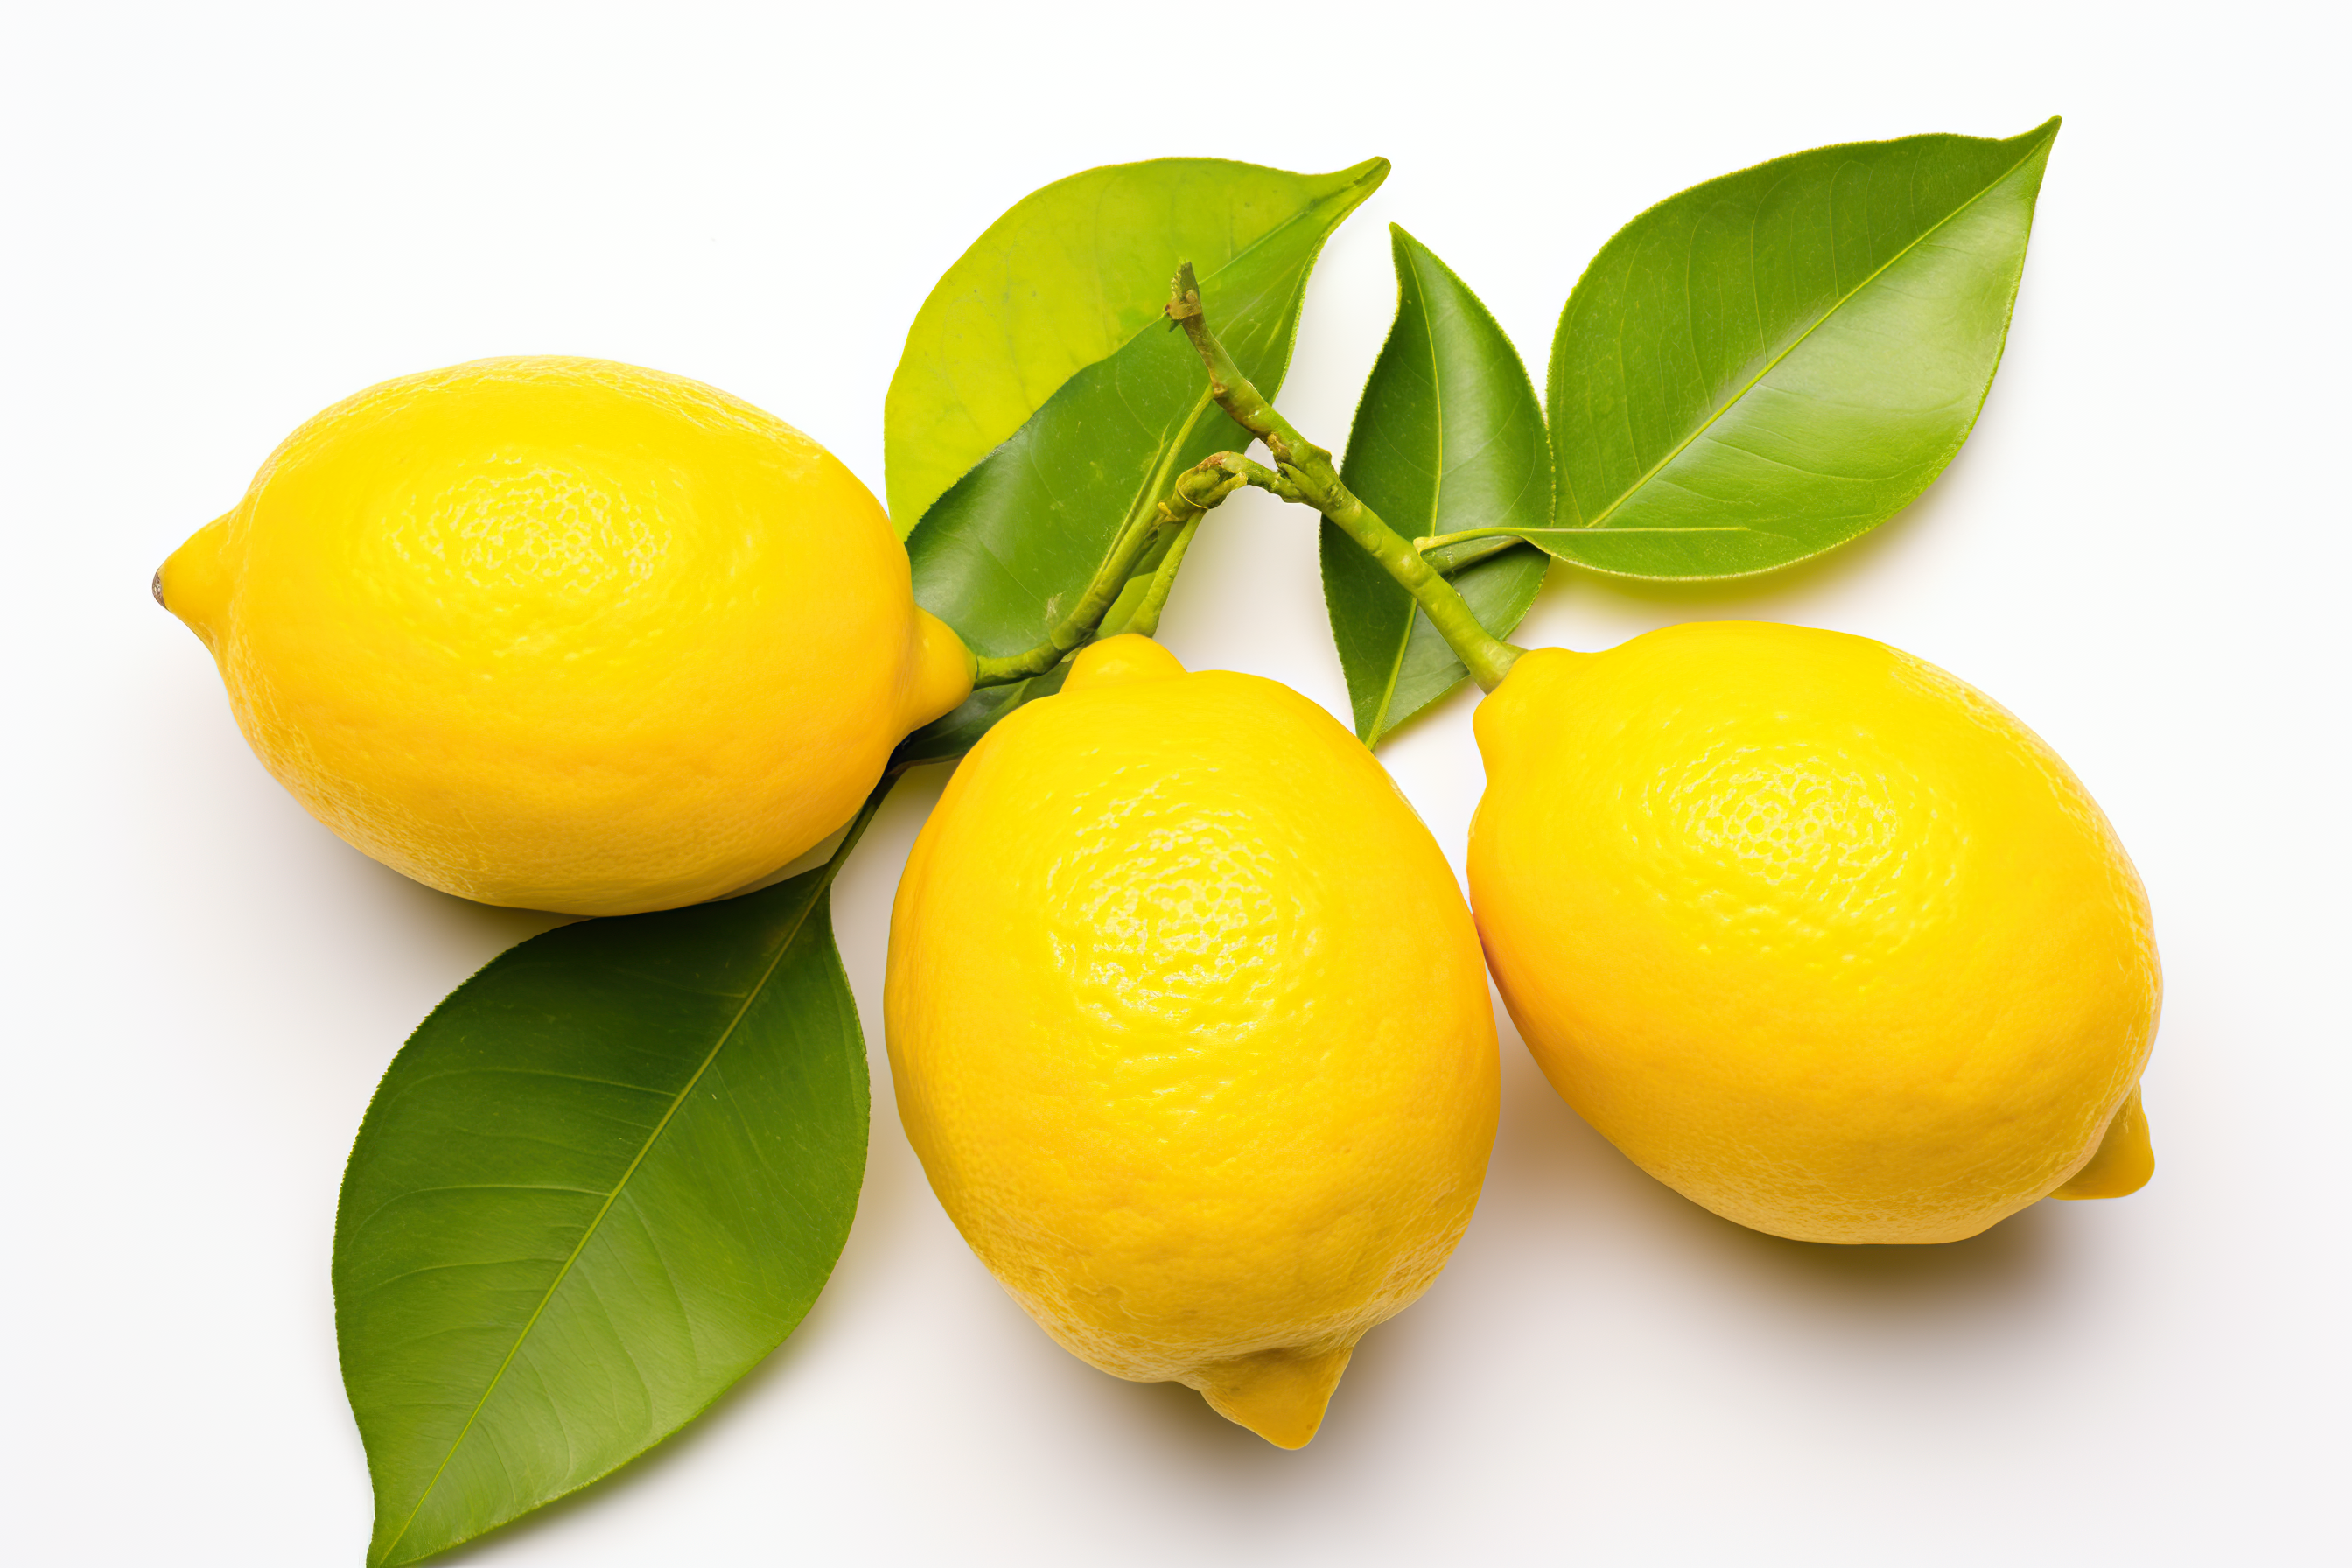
column 1187, row 1015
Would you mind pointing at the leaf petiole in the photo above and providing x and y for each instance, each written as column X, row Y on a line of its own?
column 1432, row 541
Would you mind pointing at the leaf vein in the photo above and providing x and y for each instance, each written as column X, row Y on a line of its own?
column 784, row 946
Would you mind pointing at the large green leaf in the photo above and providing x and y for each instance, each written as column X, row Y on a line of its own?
column 1014, row 541
column 1448, row 436
column 1772, row 362
column 608, row 1174
column 1060, row 282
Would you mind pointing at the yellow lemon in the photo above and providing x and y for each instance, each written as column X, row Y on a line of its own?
column 565, row 633
column 1188, row 1027
column 1813, row 933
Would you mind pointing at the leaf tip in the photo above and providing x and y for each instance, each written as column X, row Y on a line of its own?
column 1406, row 249
column 1365, row 178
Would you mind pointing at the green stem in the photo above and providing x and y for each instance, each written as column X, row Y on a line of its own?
column 1307, row 476
column 1233, row 469
column 1146, row 619
column 1197, row 491
column 1085, row 615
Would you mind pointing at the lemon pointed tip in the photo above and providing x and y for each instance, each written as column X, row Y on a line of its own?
column 1126, row 659
column 940, row 670
column 193, row 582
column 1280, row 1395
column 2124, row 1161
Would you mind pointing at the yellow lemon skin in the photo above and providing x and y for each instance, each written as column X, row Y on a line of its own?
column 1816, row 934
column 1189, row 1027
column 564, row 633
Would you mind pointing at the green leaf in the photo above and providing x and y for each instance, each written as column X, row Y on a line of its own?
column 1060, row 283
column 607, row 1176
column 1448, row 436
column 1772, row 362
column 1014, row 541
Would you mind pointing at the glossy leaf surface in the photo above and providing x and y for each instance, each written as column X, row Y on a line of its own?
column 1448, row 436
column 1767, row 364
column 1060, row 282
column 1014, row 541
column 607, row 1176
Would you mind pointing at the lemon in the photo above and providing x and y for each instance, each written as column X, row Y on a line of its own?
column 565, row 633
column 1815, row 933
column 1188, row 1027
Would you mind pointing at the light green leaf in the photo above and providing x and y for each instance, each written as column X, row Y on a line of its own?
column 1765, row 365
column 1058, row 283
column 1447, row 437
column 604, row 1179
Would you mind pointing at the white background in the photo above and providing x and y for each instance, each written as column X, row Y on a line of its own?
column 221, row 218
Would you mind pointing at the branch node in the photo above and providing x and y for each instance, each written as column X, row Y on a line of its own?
column 1306, row 474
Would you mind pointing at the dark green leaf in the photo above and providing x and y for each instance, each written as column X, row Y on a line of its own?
column 1772, row 362
column 1448, row 436
column 608, row 1174
column 1059, row 282
column 1012, row 542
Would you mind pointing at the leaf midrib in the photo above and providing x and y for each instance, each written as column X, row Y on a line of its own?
column 790, row 936
column 1436, row 489
column 1774, row 363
